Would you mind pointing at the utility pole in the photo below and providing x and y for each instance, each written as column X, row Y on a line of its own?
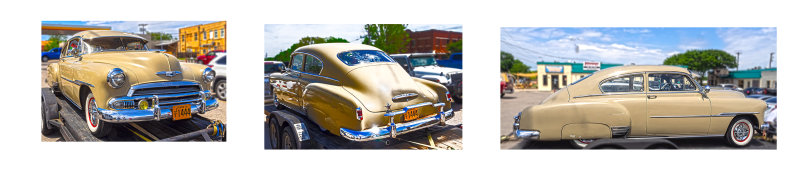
column 737, row 59
column 143, row 29
column 770, row 59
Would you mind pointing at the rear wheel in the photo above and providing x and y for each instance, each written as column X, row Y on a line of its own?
column 288, row 140
column 740, row 132
column 219, row 89
column 45, row 59
column 92, row 115
column 581, row 143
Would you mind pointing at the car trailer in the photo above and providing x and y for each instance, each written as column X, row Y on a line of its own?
column 307, row 135
column 59, row 114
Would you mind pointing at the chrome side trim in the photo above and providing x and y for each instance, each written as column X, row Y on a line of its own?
column 681, row 116
column 620, row 130
column 609, row 94
column 674, row 137
column 727, row 114
column 77, row 82
column 405, row 96
column 737, row 113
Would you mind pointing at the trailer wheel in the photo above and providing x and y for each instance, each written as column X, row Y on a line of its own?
column 288, row 139
column 45, row 129
column 274, row 133
column 92, row 116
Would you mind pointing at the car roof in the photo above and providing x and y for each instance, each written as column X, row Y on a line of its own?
column 589, row 85
column 91, row 34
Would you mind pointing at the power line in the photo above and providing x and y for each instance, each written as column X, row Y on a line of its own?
column 543, row 54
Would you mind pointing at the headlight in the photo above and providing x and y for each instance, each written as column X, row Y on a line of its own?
column 208, row 75
column 116, row 78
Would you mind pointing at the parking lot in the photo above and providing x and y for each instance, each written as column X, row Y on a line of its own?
column 435, row 137
column 127, row 132
column 512, row 104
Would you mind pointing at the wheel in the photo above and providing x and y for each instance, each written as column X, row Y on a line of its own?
column 740, row 132
column 219, row 89
column 274, row 133
column 581, row 143
column 45, row 59
column 275, row 102
column 92, row 116
column 45, row 129
column 288, row 139
column 502, row 94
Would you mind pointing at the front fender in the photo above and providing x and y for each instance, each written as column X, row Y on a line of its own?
column 95, row 75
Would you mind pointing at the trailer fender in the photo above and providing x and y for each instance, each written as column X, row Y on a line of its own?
column 297, row 124
column 50, row 107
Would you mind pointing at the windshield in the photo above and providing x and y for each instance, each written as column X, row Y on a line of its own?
column 579, row 80
column 270, row 68
column 355, row 57
column 103, row 44
column 423, row 61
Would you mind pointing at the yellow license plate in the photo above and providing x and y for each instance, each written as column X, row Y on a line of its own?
column 180, row 112
column 411, row 114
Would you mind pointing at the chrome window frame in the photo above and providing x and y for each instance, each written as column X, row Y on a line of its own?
column 696, row 85
column 304, row 65
column 621, row 76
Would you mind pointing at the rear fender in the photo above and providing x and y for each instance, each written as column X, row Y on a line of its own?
column 331, row 107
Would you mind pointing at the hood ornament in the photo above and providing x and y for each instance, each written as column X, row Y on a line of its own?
column 169, row 73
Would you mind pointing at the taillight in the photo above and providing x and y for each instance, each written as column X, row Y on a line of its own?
column 210, row 66
column 449, row 98
column 359, row 115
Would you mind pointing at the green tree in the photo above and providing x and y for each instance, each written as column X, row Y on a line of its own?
column 54, row 41
column 703, row 60
column 160, row 36
column 511, row 65
column 284, row 55
column 455, row 47
column 391, row 38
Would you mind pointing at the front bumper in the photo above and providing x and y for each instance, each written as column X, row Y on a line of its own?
column 156, row 112
column 524, row 134
column 393, row 129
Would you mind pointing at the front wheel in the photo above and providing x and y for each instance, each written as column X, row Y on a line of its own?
column 45, row 59
column 581, row 143
column 740, row 132
column 220, row 88
column 92, row 115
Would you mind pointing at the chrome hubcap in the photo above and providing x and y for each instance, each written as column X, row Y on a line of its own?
column 287, row 144
column 92, row 111
column 221, row 90
column 741, row 131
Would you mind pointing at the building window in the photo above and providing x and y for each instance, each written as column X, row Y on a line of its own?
column 544, row 80
column 195, row 36
column 564, row 80
column 211, row 34
column 222, row 33
column 204, row 35
column 216, row 34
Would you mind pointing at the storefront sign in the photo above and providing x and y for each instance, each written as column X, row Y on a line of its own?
column 554, row 69
column 591, row 65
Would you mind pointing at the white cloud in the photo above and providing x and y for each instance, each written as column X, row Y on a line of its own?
column 170, row 27
column 636, row 31
column 755, row 45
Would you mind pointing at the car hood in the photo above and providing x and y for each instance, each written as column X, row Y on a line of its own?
column 141, row 65
column 375, row 86
column 434, row 70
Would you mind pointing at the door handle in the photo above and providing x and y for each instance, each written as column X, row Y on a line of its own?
column 651, row 96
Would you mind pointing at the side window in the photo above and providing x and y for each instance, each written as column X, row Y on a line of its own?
column 631, row 83
column 670, row 82
column 73, row 45
column 222, row 60
column 297, row 62
column 313, row 65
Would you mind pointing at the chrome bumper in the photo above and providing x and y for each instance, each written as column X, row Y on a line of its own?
column 393, row 129
column 524, row 134
column 156, row 112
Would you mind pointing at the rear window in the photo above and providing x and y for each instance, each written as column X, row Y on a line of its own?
column 356, row 57
column 270, row 68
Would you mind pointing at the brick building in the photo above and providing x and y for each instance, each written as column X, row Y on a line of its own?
column 201, row 39
column 428, row 41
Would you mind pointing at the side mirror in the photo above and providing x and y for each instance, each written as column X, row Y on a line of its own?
column 706, row 89
column 75, row 53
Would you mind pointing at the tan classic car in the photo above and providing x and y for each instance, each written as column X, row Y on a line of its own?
column 357, row 92
column 640, row 101
column 113, row 78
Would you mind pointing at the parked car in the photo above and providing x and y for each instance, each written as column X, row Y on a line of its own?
column 672, row 105
column 356, row 92
column 731, row 87
column 425, row 66
column 506, row 85
column 206, row 58
column 113, row 78
column 219, row 65
column 770, row 125
column 754, row 90
column 54, row 53
column 269, row 68
column 772, row 91
column 454, row 61
column 760, row 97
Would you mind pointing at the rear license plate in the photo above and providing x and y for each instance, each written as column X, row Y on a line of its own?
column 180, row 112
column 411, row 114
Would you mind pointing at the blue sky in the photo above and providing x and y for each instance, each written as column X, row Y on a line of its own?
column 279, row 37
column 642, row 46
column 170, row 27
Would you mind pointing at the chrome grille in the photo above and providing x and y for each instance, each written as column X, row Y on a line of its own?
column 170, row 93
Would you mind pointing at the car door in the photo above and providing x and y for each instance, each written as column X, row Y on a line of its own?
column 66, row 68
column 311, row 69
column 293, row 86
column 675, row 106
